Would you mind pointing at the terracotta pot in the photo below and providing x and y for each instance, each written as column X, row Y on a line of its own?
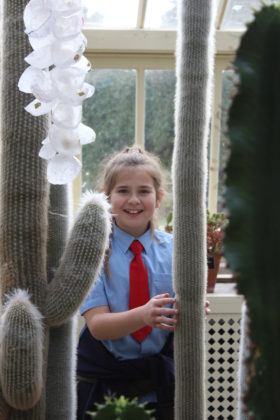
column 213, row 268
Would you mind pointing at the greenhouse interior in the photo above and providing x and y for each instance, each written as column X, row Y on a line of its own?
column 194, row 84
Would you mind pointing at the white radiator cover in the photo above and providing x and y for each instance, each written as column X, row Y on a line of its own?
column 222, row 352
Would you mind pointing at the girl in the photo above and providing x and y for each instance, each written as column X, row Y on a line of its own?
column 126, row 344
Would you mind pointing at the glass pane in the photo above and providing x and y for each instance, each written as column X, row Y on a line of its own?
column 111, row 113
column 229, row 82
column 111, row 13
column 161, row 14
column 159, row 127
column 240, row 12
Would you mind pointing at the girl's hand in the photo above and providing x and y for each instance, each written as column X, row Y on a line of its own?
column 157, row 316
column 207, row 309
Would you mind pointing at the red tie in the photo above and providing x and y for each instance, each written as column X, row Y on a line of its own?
column 139, row 287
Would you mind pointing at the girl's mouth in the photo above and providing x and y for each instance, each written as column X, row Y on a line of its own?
column 133, row 211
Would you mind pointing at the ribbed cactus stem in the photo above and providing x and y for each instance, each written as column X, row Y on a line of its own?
column 193, row 71
column 252, row 182
column 4, row 407
column 81, row 261
column 24, row 194
column 60, row 387
column 21, row 352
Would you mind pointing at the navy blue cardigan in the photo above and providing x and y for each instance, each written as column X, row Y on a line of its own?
column 100, row 373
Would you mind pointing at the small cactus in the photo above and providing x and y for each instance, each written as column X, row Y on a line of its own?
column 121, row 409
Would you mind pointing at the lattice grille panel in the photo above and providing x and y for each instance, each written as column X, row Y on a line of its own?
column 222, row 348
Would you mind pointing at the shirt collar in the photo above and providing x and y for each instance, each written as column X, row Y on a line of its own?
column 124, row 240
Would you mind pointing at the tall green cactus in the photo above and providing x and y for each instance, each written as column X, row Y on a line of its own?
column 253, row 176
column 194, row 68
column 32, row 302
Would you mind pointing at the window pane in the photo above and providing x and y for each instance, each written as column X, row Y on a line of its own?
column 159, row 126
column 111, row 13
column 229, row 82
column 240, row 12
column 111, row 113
column 161, row 14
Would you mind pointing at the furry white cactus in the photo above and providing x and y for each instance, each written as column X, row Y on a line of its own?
column 192, row 111
column 32, row 366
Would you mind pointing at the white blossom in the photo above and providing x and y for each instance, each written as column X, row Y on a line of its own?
column 56, row 78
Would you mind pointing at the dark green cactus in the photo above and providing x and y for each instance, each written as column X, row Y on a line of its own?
column 253, row 177
column 194, row 70
column 34, row 298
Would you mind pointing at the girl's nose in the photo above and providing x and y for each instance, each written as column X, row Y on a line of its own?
column 133, row 198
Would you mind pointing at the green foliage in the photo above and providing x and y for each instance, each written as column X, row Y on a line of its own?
column 253, row 175
column 216, row 224
column 159, row 118
column 121, row 409
column 111, row 113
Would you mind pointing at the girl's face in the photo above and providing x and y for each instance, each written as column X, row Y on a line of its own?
column 134, row 200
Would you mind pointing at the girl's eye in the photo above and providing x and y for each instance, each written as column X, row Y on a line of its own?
column 122, row 191
column 144, row 191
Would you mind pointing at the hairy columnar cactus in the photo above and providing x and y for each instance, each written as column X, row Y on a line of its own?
column 253, row 176
column 34, row 300
column 60, row 387
column 193, row 71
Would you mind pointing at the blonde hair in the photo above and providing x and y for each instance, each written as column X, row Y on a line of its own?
column 131, row 157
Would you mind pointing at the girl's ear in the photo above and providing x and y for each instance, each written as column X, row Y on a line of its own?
column 160, row 195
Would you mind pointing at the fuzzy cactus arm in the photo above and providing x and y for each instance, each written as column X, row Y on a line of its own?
column 21, row 352
column 81, row 261
column 192, row 112
column 61, row 384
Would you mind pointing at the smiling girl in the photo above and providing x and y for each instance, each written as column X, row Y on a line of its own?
column 126, row 344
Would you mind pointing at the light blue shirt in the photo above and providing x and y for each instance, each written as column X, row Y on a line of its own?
column 114, row 291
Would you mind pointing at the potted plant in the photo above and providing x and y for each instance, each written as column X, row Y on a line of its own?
column 216, row 224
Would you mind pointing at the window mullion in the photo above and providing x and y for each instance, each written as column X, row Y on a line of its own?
column 142, row 6
column 215, row 139
column 140, row 108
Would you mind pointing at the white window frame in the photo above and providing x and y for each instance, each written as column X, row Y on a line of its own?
column 141, row 50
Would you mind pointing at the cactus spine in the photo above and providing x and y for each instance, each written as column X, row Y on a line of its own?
column 193, row 70
column 28, row 314
column 253, row 176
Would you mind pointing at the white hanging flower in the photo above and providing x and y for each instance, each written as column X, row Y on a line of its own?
column 37, row 18
column 63, row 169
column 68, row 6
column 47, row 151
column 86, row 134
column 68, row 25
column 64, row 141
column 56, row 78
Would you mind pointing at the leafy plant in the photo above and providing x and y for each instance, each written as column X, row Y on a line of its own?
column 121, row 409
column 169, row 223
column 216, row 224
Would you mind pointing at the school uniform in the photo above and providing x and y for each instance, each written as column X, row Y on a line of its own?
column 125, row 366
